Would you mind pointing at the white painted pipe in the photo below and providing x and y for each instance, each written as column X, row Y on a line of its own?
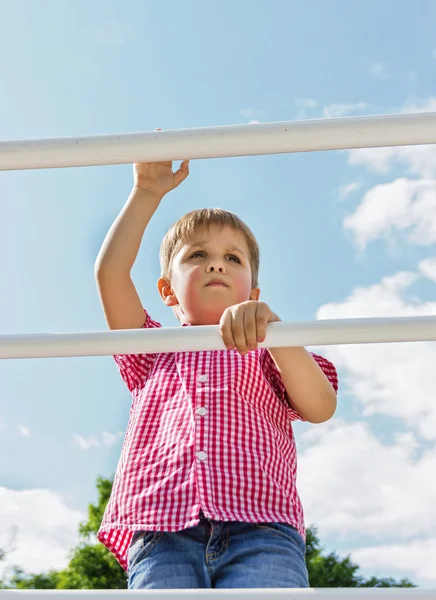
column 207, row 337
column 216, row 142
column 226, row 594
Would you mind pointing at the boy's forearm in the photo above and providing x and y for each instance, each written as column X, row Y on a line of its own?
column 121, row 245
column 309, row 390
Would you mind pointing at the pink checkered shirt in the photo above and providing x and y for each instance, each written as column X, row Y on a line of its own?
column 207, row 430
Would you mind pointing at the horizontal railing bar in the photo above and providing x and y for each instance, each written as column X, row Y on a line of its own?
column 230, row 594
column 207, row 337
column 217, row 142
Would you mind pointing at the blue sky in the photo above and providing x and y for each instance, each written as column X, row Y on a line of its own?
column 341, row 234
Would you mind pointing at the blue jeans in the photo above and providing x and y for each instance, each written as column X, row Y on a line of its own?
column 218, row 554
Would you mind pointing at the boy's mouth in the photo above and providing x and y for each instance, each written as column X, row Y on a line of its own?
column 216, row 283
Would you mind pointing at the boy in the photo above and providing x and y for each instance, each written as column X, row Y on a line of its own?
column 204, row 495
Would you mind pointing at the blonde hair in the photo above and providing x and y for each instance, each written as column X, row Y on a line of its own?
column 183, row 230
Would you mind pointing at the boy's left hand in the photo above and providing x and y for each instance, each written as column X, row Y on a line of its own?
column 243, row 326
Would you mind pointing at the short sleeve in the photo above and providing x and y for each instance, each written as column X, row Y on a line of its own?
column 328, row 369
column 272, row 375
column 135, row 368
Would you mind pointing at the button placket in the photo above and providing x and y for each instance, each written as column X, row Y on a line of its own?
column 202, row 392
column 202, row 378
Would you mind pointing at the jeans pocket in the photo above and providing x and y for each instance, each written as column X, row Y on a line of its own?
column 284, row 530
column 142, row 544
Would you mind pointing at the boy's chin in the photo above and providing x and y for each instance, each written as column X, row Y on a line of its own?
column 204, row 316
column 206, row 319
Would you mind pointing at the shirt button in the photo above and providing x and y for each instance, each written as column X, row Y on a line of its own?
column 201, row 411
column 203, row 378
column 202, row 455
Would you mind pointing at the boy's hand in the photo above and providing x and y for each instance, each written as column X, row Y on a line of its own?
column 158, row 177
column 244, row 325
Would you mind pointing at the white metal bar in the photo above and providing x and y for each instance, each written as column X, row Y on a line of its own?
column 207, row 337
column 228, row 594
column 215, row 142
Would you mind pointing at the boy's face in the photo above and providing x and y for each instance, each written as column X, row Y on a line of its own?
column 209, row 273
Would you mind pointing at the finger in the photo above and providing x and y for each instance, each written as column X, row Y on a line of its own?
column 226, row 330
column 262, row 318
column 182, row 173
column 238, row 331
column 250, row 326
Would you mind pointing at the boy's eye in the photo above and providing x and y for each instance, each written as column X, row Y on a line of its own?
column 202, row 254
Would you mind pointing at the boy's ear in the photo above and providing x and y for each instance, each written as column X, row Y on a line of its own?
column 166, row 292
column 254, row 294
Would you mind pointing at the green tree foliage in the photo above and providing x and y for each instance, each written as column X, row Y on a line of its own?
column 333, row 571
column 45, row 581
column 92, row 566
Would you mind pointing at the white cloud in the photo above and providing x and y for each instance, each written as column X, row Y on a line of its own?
column 418, row 556
column 255, row 122
column 380, row 70
column 111, row 438
column 428, row 268
column 353, row 484
column 85, row 443
column 418, row 160
column 43, row 528
column 404, row 205
column 419, row 105
column 24, row 430
column 380, row 487
column 339, row 110
column 345, row 190
column 304, row 106
column 395, row 380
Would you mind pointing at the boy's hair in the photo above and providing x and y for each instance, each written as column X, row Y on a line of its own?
column 183, row 230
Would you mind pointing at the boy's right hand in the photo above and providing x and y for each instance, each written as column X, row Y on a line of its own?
column 158, row 177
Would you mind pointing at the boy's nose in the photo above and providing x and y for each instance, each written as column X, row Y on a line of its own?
column 215, row 266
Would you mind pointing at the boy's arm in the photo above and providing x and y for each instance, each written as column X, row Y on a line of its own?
column 309, row 390
column 121, row 304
